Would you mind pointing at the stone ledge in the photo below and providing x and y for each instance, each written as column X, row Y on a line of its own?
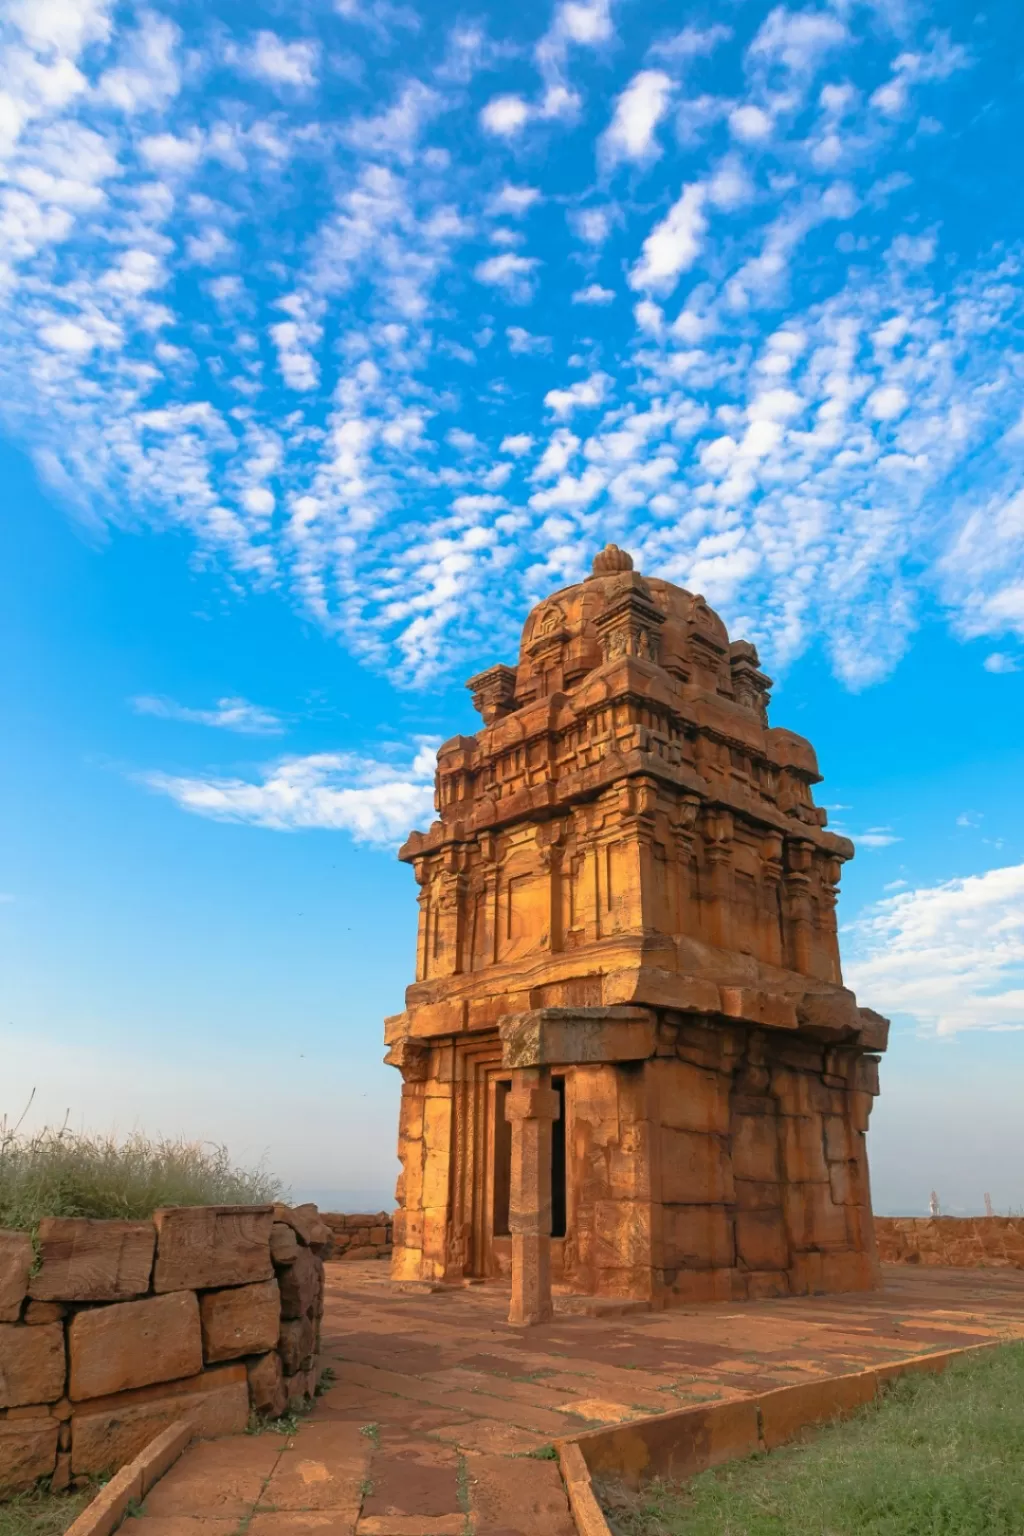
column 680, row 1445
column 134, row 1481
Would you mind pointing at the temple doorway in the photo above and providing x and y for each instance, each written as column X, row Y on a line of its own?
column 499, row 1245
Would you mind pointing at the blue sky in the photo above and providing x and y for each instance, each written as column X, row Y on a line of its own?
column 332, row 336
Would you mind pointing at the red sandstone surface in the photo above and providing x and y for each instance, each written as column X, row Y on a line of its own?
column 437, row 1401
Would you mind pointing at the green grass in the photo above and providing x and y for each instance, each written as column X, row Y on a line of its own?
column 60, row 1172
column 41, row 1513
column 937, row 1456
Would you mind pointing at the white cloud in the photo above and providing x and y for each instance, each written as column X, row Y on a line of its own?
column 750, row 124
column 638, row 111
column 673, row 245
column 592, row 225
column 505, row 116
column 168, row 152
column 277, row 62
column 230, row 714
column 690, row 43
column 1000, row 662
column 887, row 403
column 66, row 336
column 877, row 837
column 593, row 293
column 798, row 40
column 585, row 394
column 375, row 801
column 950, row 956
column 523, row 343
column 512, row 273
column 518, row 444
column 513, row 201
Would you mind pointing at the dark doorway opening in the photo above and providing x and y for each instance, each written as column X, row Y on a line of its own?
column 558, row 1162
column 503, row 1160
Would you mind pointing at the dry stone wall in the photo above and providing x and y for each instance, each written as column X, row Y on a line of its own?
column 111, row 1330
column 957, row 1242
column 360, row 1236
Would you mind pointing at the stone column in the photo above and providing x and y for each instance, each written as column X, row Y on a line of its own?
column 531, row 1107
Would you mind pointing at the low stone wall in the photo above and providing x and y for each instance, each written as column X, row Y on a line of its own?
column 111, row 1330
column 360, row 1236
column 956, row 1242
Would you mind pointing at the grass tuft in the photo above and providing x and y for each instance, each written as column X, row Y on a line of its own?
column 42, row 1513
column 60, row 1172
column 936, row 1456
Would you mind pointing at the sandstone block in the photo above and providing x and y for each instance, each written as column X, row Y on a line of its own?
column 838, row 1146
column 109, row 1431
column 752, row 1195
column 698, row 1237
column 812, row 1219
column 284, row 1245
column 299, row 1389
column 803, row 1148
column 134, row 1344
column 243, row 1320
column 28, row 1451
column 297, row 1345
column 761, row 1242
column 622, row 1233
column 15, row 1264
column 32, row 1364
column 301, row 1218
column 755, row 1147
column 692, row 1099
column 38, row 1312
column 60, row 1479
column 266, row 1385
column 84, row 1260
column 203, row 1247
column 300, row 1285
column 695, row 1169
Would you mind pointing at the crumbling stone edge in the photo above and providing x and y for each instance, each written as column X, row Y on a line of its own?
column 679, row 1445
column 105, row 1512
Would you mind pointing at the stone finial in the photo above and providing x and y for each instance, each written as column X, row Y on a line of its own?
column 611, row 561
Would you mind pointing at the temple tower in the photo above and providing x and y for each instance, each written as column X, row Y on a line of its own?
column 630, row 1066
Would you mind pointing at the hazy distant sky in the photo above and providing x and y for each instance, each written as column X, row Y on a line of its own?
column 332, row 336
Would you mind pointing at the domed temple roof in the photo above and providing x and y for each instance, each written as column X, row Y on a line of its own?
column 616, row 612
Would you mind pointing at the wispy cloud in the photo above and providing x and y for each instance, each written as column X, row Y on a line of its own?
column 229, row 714
column 376, row 801
column 950, row 956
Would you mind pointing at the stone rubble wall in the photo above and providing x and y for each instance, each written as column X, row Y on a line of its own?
column 956, row 1242
column 360, row 1236
column 112, row 1330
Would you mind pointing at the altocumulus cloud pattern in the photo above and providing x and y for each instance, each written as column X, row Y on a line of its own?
column 402, row 313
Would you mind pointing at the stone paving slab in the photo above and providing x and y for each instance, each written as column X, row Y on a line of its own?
column 437, row 1405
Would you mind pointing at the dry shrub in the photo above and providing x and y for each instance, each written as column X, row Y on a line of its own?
column 60, row 1172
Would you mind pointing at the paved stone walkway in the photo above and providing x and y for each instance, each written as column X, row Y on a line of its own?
column 440, row 1415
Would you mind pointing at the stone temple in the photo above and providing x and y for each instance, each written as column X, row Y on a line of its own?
column 630, row 1067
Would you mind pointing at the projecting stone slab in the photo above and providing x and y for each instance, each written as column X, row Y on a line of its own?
column 544, row 1037
column 110, row 1431
column 31, row 1364
column 133, row 1344
column 203, row 1247
column 85, row 1260
column 15, row 1264
column 28, row 1450
column 244, row 1320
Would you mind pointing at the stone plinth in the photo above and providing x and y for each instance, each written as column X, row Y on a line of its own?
column 630, row 891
